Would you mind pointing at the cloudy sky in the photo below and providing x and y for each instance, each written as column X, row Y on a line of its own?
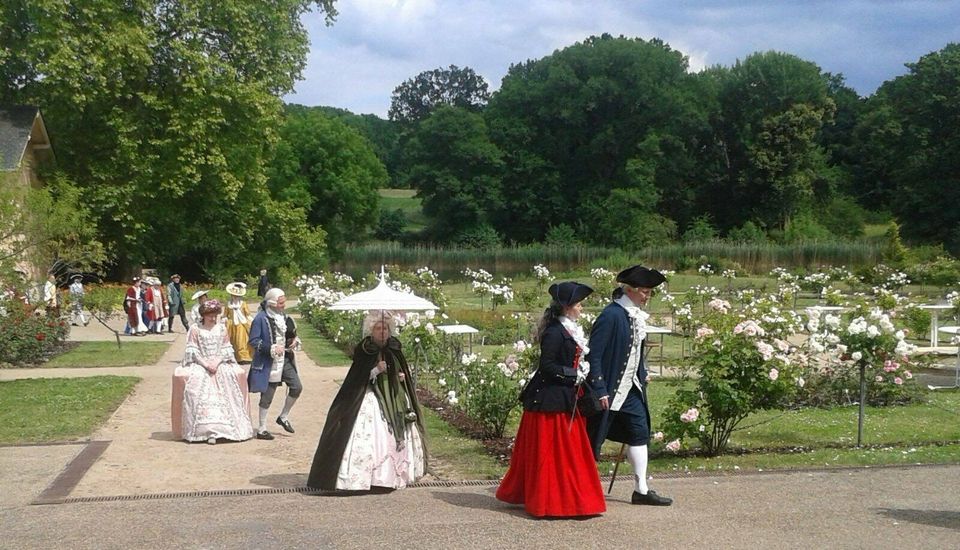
column 374, row 45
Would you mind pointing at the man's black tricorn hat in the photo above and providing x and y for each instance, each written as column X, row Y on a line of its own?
column 641, row 277
column 569, row 293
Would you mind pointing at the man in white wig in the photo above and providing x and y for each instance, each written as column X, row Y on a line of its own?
column 273, row 337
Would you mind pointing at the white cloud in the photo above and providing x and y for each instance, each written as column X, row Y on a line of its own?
column 376, row 44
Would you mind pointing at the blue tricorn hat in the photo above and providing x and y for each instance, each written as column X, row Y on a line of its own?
column 641, row 277
column 569, row 293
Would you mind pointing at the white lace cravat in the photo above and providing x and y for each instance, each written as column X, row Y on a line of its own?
column 576, row 331
column 237, row 312
column 638, row 324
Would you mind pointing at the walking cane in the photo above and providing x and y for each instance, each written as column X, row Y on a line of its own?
column 573, row 414
column 616, row 466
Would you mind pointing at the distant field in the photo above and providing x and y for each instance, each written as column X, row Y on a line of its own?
column 392, row 199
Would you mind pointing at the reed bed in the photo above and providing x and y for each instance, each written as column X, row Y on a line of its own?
column 449, row 261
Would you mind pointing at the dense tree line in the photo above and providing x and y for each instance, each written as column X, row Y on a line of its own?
column 614, row 141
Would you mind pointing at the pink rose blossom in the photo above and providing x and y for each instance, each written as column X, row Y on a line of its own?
column 774, row 374
column 673, row 446
column 658, row 436
column 878, row 378
column 908, row 375
column 898, row 381
column 704, row 332
column 691, row 415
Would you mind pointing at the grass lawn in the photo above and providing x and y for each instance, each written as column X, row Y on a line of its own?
column 922, row 433
column 404, row 200
column 454, row 455
column 39, row 410
column 319, row 349
column 106, row 354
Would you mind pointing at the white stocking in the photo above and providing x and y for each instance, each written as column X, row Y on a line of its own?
column 263, row 419
column 637, row 457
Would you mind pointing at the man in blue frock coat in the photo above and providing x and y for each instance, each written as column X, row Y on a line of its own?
column 618, row 376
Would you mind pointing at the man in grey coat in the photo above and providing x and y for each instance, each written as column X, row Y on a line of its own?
column 176, row 302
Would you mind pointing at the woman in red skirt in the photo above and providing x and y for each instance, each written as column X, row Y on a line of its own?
column 552, row 470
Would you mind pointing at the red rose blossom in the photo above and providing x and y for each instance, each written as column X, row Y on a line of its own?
column 41, row 336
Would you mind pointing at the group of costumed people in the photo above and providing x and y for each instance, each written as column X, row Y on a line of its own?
column 146, row 306
column 210, row 387
column 374, row 435
column 586, row 390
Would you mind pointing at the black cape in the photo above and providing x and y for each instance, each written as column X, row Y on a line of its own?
column 346, row 405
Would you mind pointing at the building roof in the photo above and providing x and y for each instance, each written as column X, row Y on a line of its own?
column 16, row 126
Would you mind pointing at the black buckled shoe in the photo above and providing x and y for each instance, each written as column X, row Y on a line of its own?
column 650, row 499
column 264, row 435
column 285, row 422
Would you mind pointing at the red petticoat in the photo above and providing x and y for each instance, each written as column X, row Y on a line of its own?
column 552, row 471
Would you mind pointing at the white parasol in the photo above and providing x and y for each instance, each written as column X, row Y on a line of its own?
column 383, row 298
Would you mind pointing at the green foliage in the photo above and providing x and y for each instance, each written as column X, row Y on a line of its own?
column 803, row 228
column 418, row 97
column 391, row 224
column 28, row 338
column 561, row 235
column 164, row 114
column 48, row 226
column 327, row 168
column 700, row 230
column 916, row 320
column 604, row 115
column 383, row 135
column 941, row 270
column 491, row 394
column 748, row 233
column 480, row 237
column 893, row 250
column 456, row 171
column 843, row 217
column 907, row 151
column 772, row 106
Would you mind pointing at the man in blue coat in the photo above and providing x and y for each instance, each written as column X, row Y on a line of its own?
column 618, row 375
column 273, row 337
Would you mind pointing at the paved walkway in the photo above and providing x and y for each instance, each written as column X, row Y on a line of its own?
column 144, row 456
column 886, row 507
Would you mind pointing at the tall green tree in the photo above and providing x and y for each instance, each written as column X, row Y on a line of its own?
column 417, row 97
column 383, row 135
column 773, row 107
column 164, row 112
column 456, row 171
column 602, row 115
column 909, row 144
column 331, row 171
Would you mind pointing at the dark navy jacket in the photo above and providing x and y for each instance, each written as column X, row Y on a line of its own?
column 610, row 341
column 551, row 388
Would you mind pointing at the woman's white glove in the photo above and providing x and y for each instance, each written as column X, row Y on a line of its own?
column 377, row 370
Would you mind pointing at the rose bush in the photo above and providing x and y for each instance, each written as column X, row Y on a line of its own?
column 742, row 363
column 866, row 337
column 27, row 337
